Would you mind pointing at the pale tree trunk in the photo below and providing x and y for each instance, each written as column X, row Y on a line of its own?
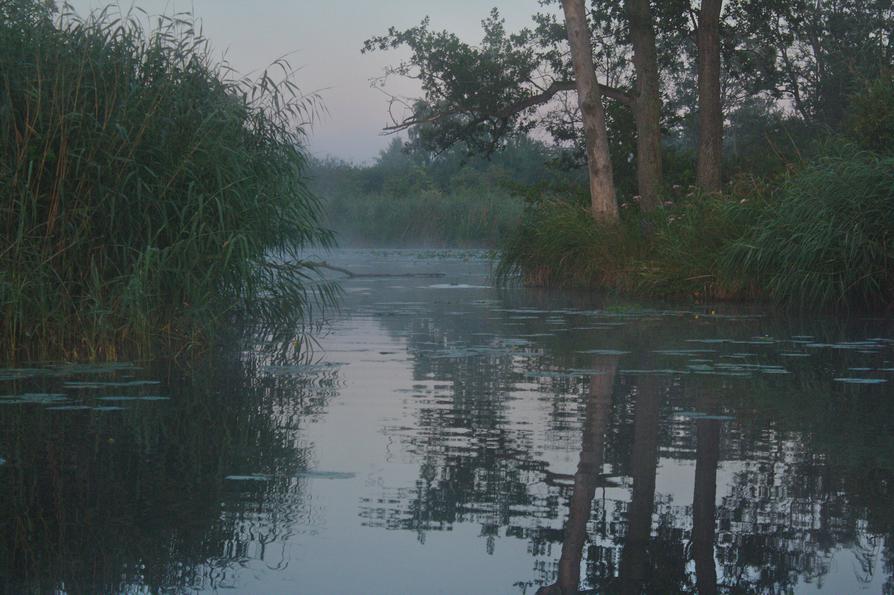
column 710, row 115
column 599, row 165
column 592, row 455
column 647, row 104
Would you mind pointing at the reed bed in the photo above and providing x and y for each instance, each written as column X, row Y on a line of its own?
column 829, row 238
column 820, row 237
column 148, row 193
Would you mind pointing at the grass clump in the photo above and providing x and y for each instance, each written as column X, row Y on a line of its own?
column 829, row 237
column 673, row 251
column 820, row 236
column 144, row 189
column 559, row 244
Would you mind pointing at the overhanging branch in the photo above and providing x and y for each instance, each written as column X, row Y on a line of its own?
column 513, row 108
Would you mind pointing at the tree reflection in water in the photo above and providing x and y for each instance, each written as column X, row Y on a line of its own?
column 589, row 470
column 598, row 471
column 788, row 498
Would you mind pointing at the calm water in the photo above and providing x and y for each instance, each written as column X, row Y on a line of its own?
column 452, row 438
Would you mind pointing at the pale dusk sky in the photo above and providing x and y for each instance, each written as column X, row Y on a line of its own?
column 323, row 39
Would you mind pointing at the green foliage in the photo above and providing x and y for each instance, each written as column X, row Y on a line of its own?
column 559, row 243
column 143, row 189
column 467, row 86
column 871, row 121
column 814, row 54
column 822, row 237
column 674, row 251
column 827, row 240
column 428, row 217
column 411, row 197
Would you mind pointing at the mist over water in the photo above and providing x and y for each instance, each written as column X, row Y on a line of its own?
column 452, row 437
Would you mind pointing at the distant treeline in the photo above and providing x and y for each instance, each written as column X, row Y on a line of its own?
column 411, row 197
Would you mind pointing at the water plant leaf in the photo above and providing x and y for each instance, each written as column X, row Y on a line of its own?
column 860, row 380
column 327, row 474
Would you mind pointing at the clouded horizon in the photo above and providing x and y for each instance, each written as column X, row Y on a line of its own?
column 323, row 41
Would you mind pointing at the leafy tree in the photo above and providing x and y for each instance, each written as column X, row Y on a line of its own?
column 486, row 95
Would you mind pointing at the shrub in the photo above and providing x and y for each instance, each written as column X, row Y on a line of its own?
column 827, row 238
column 871, row 120
column 143, row 188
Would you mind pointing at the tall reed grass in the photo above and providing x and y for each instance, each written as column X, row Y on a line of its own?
column 828, row 239
column 145, row 187
column 822, row 236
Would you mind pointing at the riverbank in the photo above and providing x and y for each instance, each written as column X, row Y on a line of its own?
column 818, row 237
column 144, row 188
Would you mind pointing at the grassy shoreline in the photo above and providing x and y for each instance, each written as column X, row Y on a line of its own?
column 144, row 188
column 823, row 236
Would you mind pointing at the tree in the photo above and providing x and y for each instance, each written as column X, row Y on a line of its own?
column 599, row 166
column 483, row 95
column 710, row 113
column 647, row 106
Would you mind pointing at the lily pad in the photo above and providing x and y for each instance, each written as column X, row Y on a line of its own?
column 860, row 380
column 252, row 477
column 111, row 383
column 134, row 398
column 327, row 474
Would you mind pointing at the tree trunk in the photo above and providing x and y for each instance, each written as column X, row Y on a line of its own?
column 707, row 457
column 592, row 453
column 599, row 165
column 647, row 104
column 643, row 468
column 710, row 115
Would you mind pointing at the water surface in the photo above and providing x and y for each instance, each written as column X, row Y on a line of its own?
column 450, row 437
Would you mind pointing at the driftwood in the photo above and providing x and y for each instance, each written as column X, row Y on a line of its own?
column 353, row 275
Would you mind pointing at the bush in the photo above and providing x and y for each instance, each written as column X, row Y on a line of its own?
column 143, row 189
column 560, row 244
column 827, row 240
column 673, row 251
column 871, row 120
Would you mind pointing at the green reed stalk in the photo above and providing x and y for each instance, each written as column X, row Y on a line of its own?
column 146, row 191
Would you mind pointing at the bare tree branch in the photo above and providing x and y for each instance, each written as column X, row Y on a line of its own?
column 513, row 108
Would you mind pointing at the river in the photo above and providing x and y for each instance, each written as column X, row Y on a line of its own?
column 452, row 437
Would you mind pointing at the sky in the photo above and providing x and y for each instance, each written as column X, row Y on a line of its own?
column 323, row 40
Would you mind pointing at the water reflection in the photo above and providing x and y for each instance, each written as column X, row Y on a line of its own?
column 695, row 450
column 106, row 501
column 589, row 469
column 456, row 439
